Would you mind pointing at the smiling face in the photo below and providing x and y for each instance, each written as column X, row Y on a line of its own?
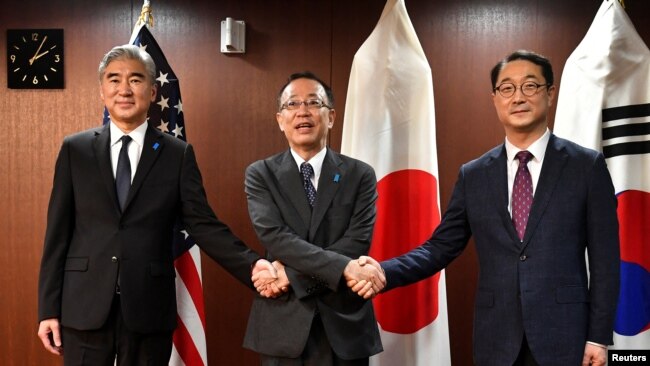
column 520, row 114
column 127, row 92
column 305, row 129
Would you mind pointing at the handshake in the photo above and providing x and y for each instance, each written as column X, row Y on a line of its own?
column 364, row 276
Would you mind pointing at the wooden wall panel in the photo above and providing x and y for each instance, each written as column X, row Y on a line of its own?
column 229, row 106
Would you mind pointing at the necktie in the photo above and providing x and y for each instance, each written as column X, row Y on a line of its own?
column 307, row 172
column 522, row 193
column 123, row 172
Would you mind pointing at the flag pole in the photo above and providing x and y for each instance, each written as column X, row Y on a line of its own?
column 145, row 19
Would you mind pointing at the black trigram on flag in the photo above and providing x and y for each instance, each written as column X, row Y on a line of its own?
column 626, row 130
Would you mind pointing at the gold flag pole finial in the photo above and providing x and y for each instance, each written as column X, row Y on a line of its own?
column 146, row 15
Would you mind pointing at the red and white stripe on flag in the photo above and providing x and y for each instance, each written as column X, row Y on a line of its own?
column 189, row 337
column 390, row 124
column 604, row 104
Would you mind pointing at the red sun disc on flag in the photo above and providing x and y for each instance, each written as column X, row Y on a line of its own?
column 407, row 214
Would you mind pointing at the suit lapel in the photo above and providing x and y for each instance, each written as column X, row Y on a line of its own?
column 554, row 162
column 153, row 145
column 497, row 172
column 288, row 176
column 102, row 150
column 328, row 185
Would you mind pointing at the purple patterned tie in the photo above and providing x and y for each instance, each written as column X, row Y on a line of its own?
column 307, row 171
column 522, row 193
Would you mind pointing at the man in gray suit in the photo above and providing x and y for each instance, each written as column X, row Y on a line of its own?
column 533, row 205
column 312, row 220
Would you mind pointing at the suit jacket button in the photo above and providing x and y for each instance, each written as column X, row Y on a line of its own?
column 523, row 258
column 114, row 259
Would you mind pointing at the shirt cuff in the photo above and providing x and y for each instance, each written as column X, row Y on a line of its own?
column 597, row 344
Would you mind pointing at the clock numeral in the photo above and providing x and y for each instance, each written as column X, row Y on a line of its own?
column 57, row 58
column 34, row 36
column 13, row 58
column 35, row 80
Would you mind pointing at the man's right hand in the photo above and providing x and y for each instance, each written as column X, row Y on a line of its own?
column 365, row 277
column 49, row 331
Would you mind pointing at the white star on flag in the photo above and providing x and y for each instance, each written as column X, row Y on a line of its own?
column 163, row 78
column 178, row 131
column 163, row 126
column 163, row 103
column 179, row 106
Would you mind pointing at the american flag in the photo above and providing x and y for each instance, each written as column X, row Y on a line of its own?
column 166, row 114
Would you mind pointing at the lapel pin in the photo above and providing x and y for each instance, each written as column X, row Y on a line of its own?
column 155, row 146
column 336, row 178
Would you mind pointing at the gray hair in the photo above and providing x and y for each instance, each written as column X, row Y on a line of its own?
column 129, row 52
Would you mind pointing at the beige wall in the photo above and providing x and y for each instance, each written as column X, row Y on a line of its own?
column 229, row 109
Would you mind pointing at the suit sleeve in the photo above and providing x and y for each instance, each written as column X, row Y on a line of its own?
column 447, row 242
column 213, row 236
column 60, row 223
column 326, row 265
column 603, row 253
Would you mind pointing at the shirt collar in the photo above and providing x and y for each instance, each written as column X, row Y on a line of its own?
column 137, row 135
column 316, row 161
column 537, row 148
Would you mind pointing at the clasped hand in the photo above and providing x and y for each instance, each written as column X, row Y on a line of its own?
column 270, row 279
column 365, row 277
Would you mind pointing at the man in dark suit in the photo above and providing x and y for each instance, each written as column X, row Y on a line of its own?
column 312, row 221
column 106, row 287
column 536, row 304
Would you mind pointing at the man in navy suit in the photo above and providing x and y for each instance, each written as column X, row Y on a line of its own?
column 106, row 287
column 536, row 304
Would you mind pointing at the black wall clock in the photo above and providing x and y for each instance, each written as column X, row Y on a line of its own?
column 35, row 58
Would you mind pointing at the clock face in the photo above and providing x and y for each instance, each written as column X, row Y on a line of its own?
column 35, row 58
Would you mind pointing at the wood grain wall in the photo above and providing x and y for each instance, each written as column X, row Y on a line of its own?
column 229, row 110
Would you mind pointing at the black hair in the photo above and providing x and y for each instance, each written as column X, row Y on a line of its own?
column 311, row 76
column 537, row 59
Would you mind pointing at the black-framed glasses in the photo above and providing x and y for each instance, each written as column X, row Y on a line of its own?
column 292, row 105
column 528, row 89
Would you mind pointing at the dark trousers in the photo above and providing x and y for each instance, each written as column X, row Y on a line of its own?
column 317, row 352
column 525, row 357
column 115, row 342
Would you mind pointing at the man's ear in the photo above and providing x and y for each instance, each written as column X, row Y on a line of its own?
column 278, row 117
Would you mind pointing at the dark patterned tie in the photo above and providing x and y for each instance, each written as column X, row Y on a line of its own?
column 123, row 172
column 307, row 172
column 522, row 193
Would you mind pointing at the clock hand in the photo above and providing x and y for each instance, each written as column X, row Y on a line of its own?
column 31, row 60
column 39, row 55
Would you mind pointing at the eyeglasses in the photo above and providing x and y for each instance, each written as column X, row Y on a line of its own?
column 528, row 89
column 292, row 105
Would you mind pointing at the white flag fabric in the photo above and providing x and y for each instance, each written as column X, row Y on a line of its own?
column 604, row 104
column 390, row 124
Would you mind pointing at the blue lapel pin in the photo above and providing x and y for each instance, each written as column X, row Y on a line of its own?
column 336, row 178
column 155, row 146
